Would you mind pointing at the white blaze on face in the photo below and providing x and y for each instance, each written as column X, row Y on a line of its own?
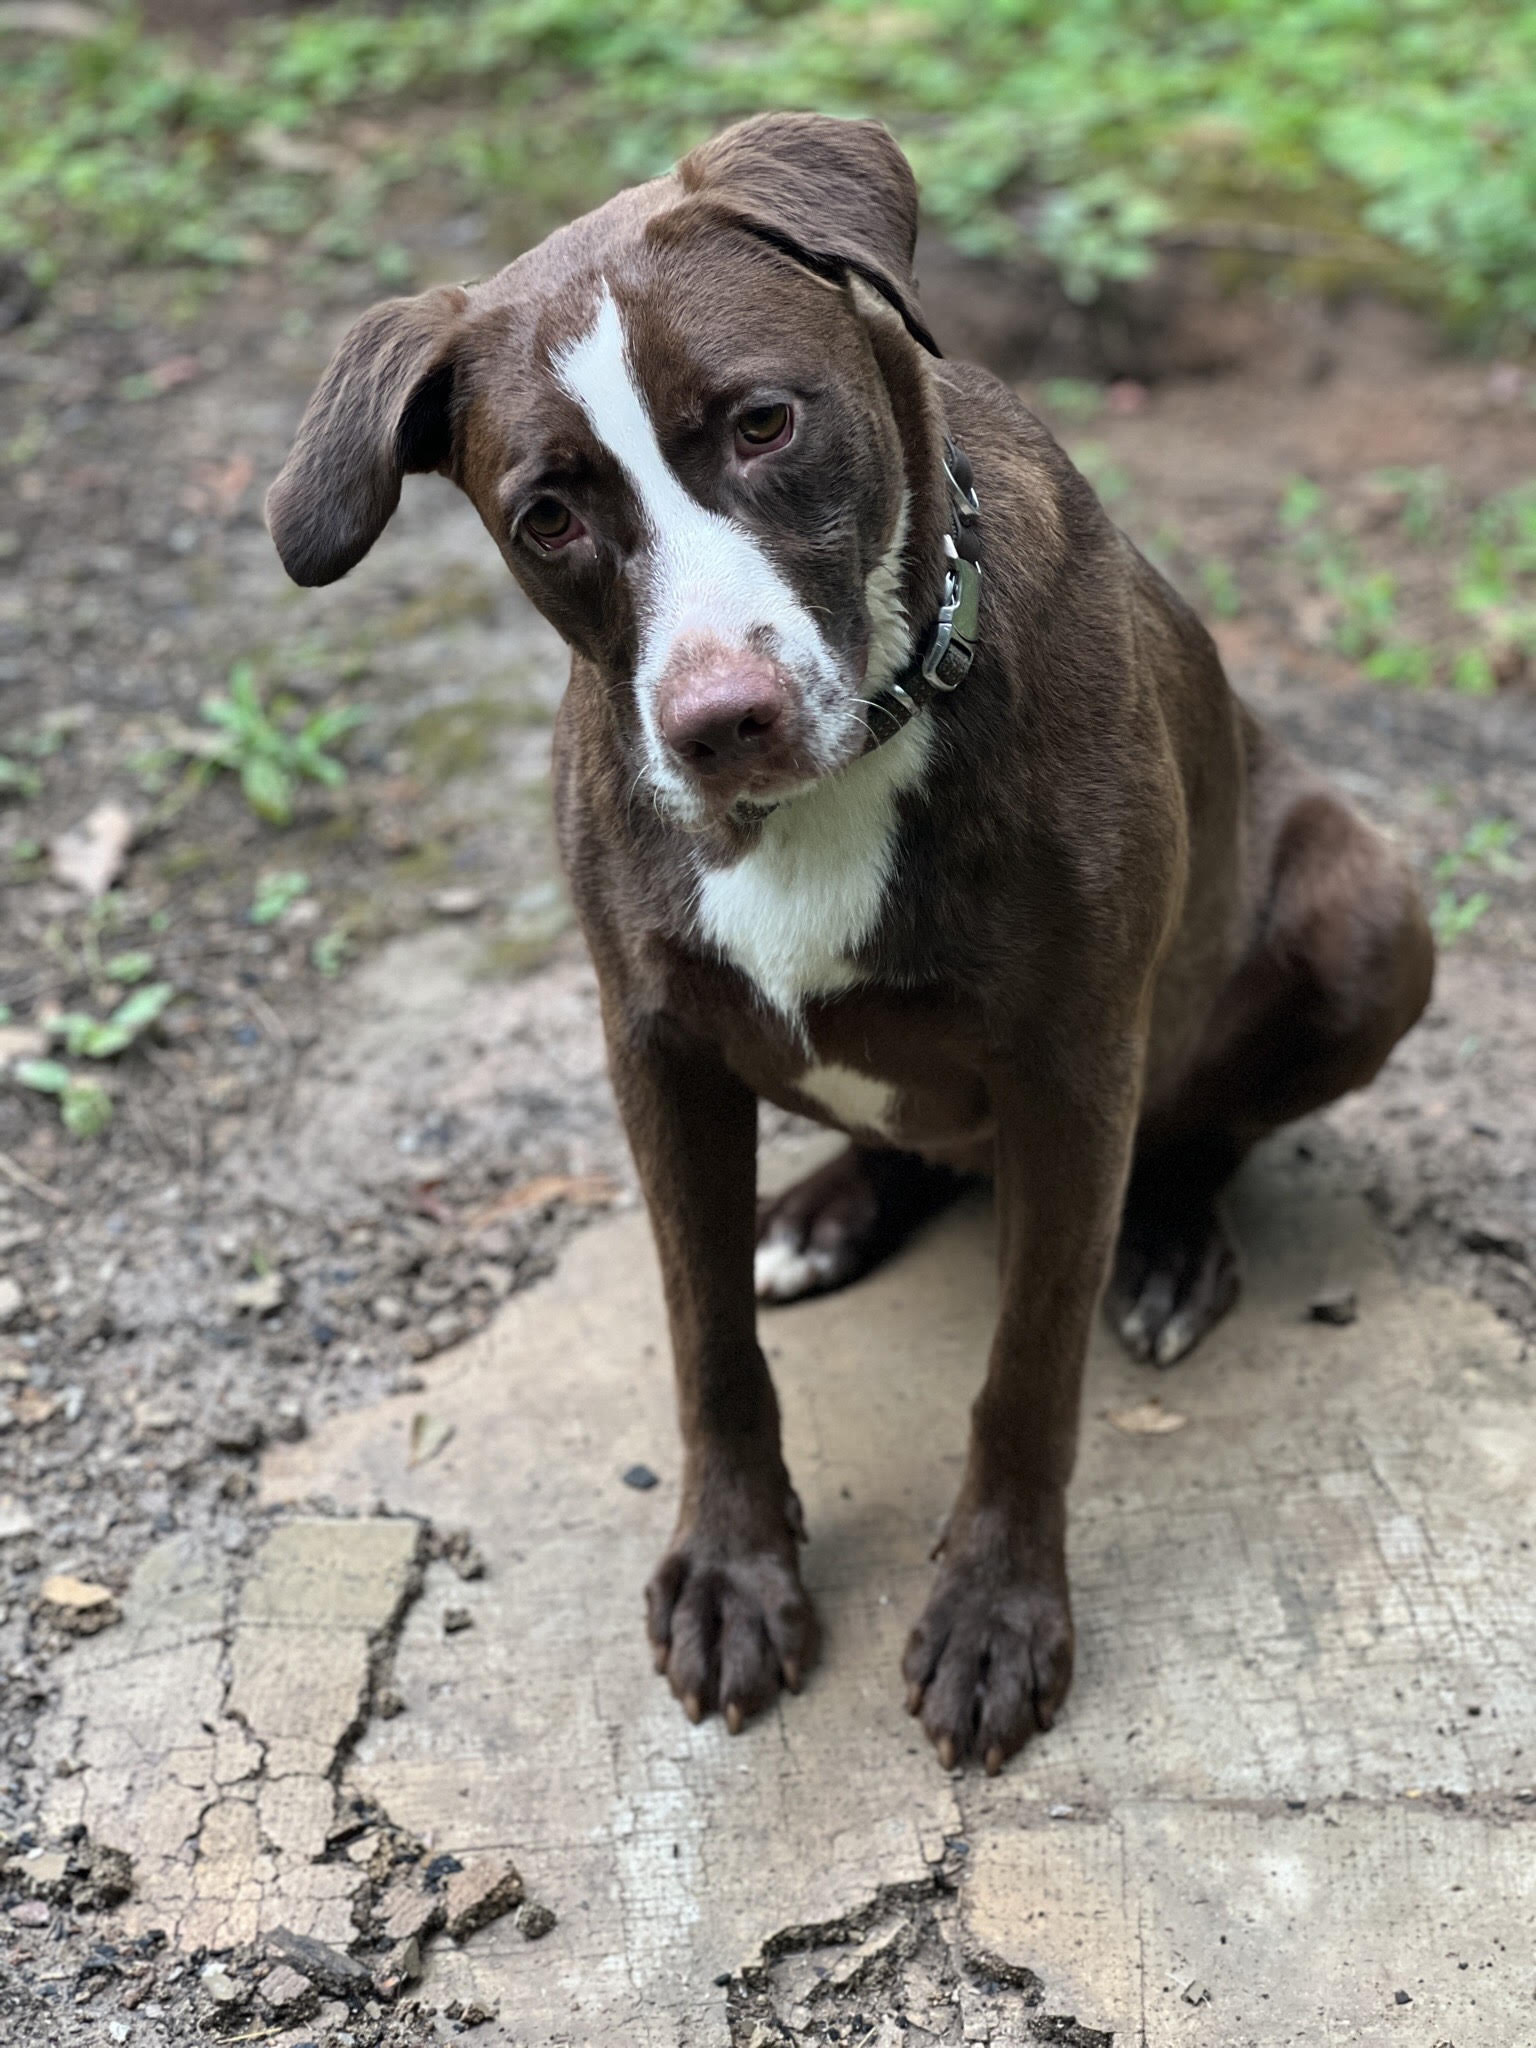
column 700, row 573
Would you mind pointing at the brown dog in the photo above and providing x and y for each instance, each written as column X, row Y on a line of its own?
column 896, row 788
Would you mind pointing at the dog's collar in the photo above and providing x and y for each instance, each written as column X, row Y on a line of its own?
column 944, row 654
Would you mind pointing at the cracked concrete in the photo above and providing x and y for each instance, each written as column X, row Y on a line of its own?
column 1291, row 1799
column 204, row 1735
column 1294, row 1777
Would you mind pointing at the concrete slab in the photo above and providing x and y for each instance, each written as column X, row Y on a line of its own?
column 201, row 1735
column 1294, row 1778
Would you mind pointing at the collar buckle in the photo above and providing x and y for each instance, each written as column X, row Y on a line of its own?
column 952, row 637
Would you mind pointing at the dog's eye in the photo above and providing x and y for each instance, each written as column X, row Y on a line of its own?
column 551, row 524
column 762, row 428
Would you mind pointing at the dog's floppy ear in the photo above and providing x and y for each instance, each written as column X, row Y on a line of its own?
column 382, row 408
column 838, row 196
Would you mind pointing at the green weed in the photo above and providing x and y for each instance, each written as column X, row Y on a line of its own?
column 276, row 893
column 1396, row 135
column 96, row 1038
column 1223, row 593
column 85, row 1107
column 270, row 760
column 1452, row 917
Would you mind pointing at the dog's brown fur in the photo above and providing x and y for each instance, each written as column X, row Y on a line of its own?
column 1129, row 933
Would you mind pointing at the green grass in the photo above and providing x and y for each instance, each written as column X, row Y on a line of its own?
column 1388, row 135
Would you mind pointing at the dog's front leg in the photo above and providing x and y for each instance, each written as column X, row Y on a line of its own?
column 991, row 1659
column 728, row 1618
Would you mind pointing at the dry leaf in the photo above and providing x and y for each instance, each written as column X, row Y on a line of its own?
column 90, row 855
column 63, row 1590
column 428, row 1435
column 595, row 1189
column 1148, row 1418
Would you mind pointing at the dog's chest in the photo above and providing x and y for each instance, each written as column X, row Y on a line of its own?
column 793, row 912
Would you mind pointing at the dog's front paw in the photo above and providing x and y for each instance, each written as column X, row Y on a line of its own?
column 989, row 1663
column 729, row 1621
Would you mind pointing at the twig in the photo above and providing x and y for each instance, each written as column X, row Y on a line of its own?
column 31, row 1183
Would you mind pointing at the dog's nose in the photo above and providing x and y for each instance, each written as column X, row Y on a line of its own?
column 723, row 717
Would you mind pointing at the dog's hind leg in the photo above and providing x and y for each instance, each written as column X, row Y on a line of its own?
column 844, row 1219
column 1340, row 968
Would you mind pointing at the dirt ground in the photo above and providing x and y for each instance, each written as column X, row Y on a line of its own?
column 363, row 1125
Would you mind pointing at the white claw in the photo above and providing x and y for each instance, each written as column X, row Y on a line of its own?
column 1177, row 1336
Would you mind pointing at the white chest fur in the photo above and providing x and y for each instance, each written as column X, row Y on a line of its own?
column 791, row 913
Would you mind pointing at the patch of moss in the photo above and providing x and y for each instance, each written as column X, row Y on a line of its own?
column 451, row 740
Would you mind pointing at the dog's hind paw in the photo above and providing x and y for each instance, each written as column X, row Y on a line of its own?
column 844, row 1218
column 730, row 1622
column 1172, row 1283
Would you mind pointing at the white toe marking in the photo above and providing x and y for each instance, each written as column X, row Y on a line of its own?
column 853, row 1098
column 781, row 1271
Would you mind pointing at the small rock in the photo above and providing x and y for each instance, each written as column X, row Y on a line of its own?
column 1339, row 1307
column 405, row 1910
column 327, row 1968
column 388, row 1704
column 14, row 1518
column 289, row 1425
column 100, row 1878
column 288, row 1993
column 118, row 2031
column 476, row 2015
column 456, row 1620
column 535, row 1921
column 31, row 1913
column 263, row 1296
column 446, row 1327
column 440, row 1869
column 1195, row 1993
column 221, row 1987
column 1401, row 1998
column 401, row 1967
column 12, row 1300
column 78, row 1604
column 456, row 902
column 390, row 1310
column 238, row 1431
column 479, row 1893
column 641, row 1478
column 1492, row 1237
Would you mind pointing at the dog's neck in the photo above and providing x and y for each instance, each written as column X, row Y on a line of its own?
column 945, row 650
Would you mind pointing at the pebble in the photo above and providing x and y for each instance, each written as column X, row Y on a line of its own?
column 221, row 1987
column 456, row 1620
column 535, row 1921
column 12, row 1300
column 325, row 1967
column 31, row 1913
column 641, row 1478
column 390, row 1310
column 285, row 1991
column 1339, row 1307
column 1492, row 1237
column 456, row 902
column 479, row 1893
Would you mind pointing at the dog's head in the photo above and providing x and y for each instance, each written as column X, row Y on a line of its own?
column 699, row 427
